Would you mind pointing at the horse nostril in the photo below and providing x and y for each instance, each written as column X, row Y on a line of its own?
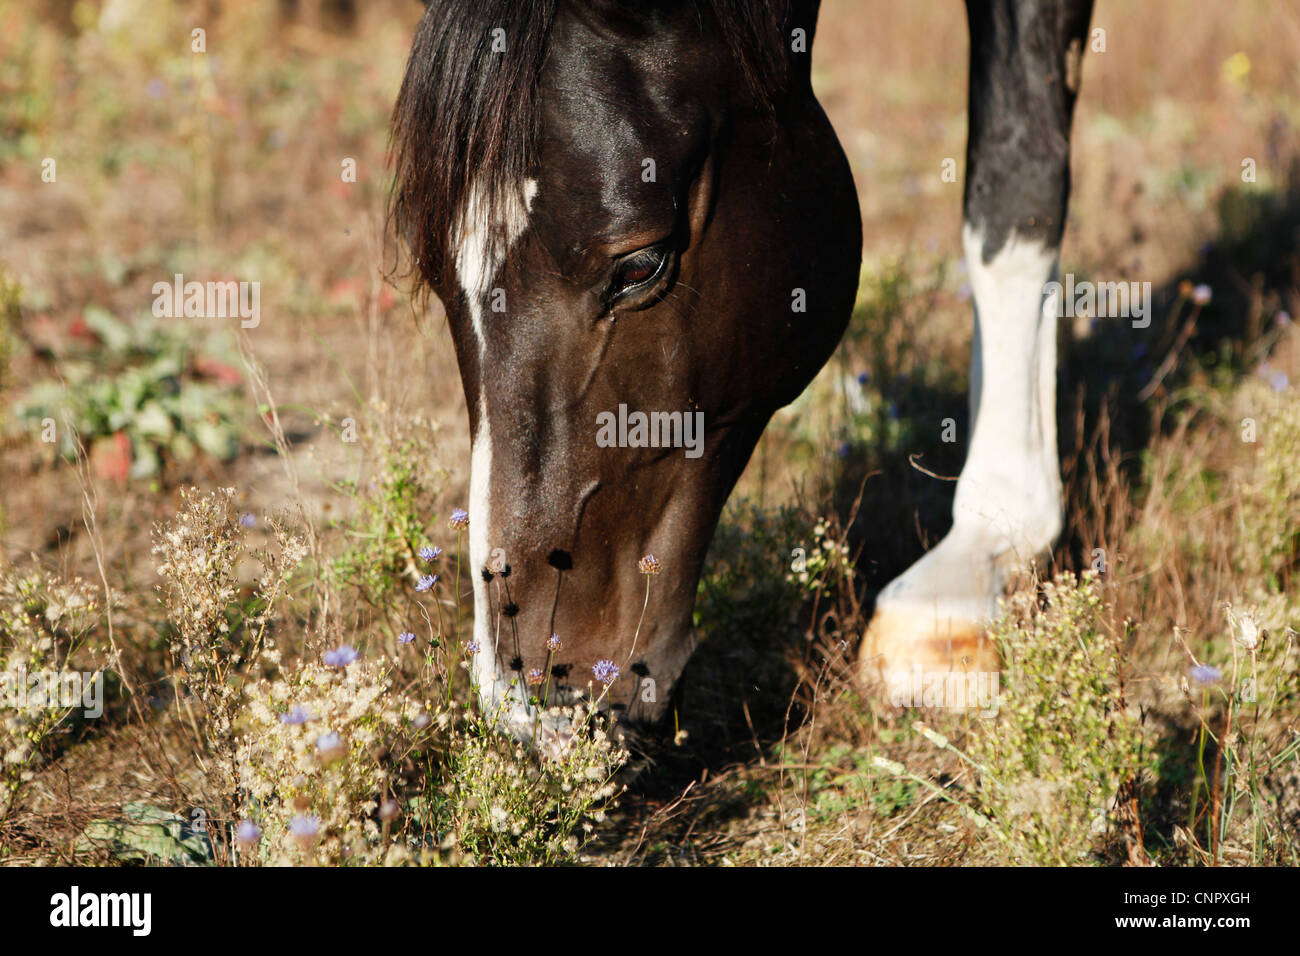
column 561, row 671
column 517, row 664
column 639, row 669
column 560, row 560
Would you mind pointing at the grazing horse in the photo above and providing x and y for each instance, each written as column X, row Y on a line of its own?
column 647, row 240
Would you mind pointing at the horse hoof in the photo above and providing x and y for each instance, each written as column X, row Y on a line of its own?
column 906, row 651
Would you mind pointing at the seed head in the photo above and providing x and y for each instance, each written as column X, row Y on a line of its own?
column 1249, row 633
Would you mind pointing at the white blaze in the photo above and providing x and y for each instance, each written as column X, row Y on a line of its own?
column 494, row 687
column 476, row 267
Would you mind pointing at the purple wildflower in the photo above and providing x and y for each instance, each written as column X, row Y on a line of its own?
column 606, row 671
column 248, row 832
column 1202, row 294
column 429, row 554
column 247, row 521
column 341, row 656
column 406, row 637
column 426, row 582
column 553, row 643
column 304, row 827
column 1206, row 674
column 471, row 647
column 296, row 716
column 459, row 519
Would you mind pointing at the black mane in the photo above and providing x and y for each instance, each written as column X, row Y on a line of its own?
column 467, row 115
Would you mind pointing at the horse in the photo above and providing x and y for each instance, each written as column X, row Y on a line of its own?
column 639, row 219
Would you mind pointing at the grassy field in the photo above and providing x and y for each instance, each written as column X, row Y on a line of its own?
column 1151, row 702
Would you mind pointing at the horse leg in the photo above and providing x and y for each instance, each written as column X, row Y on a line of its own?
column 1024, row 77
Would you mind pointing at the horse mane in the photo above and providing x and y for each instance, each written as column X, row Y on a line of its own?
column 465, row 125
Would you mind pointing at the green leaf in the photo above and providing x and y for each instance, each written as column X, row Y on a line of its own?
column 152, row 421
column 182, row 447
column 217, row 440
column 150, row 835
column 144, row 462
column 116, row 334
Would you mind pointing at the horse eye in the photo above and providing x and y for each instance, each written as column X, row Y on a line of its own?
column 638, row 269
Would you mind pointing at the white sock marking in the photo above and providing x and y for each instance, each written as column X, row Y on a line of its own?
column 1007, row 508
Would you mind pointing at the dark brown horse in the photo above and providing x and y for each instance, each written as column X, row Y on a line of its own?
column 647, row 240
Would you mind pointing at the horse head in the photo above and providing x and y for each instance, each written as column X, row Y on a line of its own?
column 647, row 240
